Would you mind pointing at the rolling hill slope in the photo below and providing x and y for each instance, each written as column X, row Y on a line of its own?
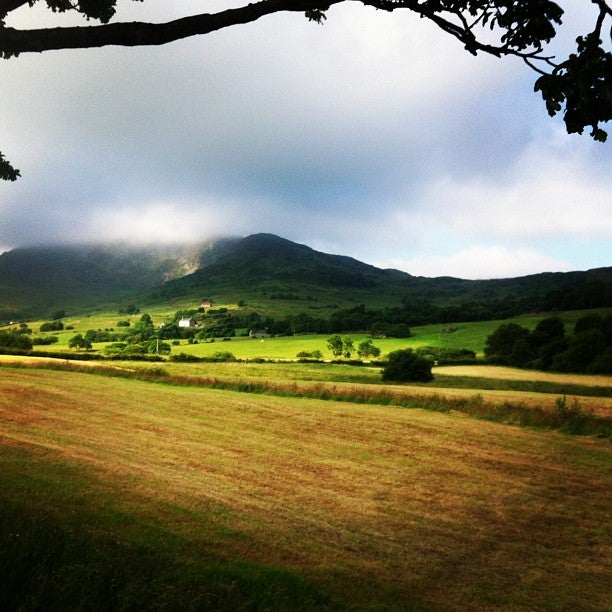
column 268, row 272
column 267, row 267
column 37, row 280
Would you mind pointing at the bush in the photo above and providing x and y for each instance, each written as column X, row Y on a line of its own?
column 52, row 326
column 114, row 348
column 406, row 366
column 184, row 358
column 390, row 330
column 223, row 356
column 310, row 355
column 78, row 342
column 40, row 340
column 446, row 354
column 14, row 339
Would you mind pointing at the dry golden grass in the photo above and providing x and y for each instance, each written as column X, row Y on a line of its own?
column 260, row 373
column 600, row 406
column 504, row 373
column 377, row 504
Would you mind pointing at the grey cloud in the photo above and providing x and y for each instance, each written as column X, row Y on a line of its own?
column 322, row 134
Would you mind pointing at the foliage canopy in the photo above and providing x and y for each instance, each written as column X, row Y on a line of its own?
column 579, row 86
column 405, row 365
column 547, row 347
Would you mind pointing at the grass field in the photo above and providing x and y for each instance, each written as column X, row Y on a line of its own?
column 491, row 383
column 152, row 495
column 467, row 335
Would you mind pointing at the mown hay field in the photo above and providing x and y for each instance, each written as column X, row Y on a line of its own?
column 491, row 383
column 505, row 373
column 361, row 507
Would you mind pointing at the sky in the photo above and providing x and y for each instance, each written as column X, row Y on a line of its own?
column 374, row 135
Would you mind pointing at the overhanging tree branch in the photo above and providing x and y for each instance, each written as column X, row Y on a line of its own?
column 132, row 34
column 580, row 85
column 6, row 6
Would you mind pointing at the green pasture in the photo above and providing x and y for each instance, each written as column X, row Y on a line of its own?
column 470, row 335
column 283, row 347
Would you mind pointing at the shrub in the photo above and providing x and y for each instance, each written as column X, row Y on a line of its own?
column 52, row 326
column 40, row 340
column 316, row 355
column 223, row 356
column 508, row 345
column 185, row 358
column 445, row 354
column 14, row 339
column 78, row 342
column 367, row 349
column 114, row 348
column 406, row 366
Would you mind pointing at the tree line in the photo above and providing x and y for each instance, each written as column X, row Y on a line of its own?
column 549, row 347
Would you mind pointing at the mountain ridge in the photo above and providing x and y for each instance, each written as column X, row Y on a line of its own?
column 36, row 280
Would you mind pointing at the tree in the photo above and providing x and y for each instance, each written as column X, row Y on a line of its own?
column 547, row 339
column 507, row 344
column 367, row 349
column 584, row 347
column 335, row 345
column 79, row 342
column 405, row 365
column 347, row 347
column 144, row 327
column 546, row 331
column 578, row 86
column 589, row 321
column 13, row 339
column 51, row 326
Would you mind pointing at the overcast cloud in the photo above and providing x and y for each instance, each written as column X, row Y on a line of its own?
column 373, row 136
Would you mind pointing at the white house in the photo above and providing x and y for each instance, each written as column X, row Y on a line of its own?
column 187, row 323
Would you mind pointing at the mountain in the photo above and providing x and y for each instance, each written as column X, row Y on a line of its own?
column 268, row 259
column 262, row 268
column 271, row 274
column 38, row 280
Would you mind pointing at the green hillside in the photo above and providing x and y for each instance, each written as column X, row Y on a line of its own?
column 274, row 277
column 36, row 281
column 281, row 278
